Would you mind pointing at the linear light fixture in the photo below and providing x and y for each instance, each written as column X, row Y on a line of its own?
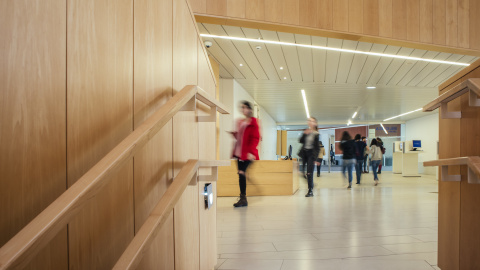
column 371, row 87
column 402, row 114
column 355, row 114
column 305, row 103
column 383, row 128
column 349, row 122
column 335, row 49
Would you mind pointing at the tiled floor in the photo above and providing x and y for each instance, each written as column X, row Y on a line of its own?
column 390, row 226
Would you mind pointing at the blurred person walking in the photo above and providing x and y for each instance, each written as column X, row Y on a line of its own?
column 376, row 155
column 359, row 154
column 347, row 145
column 365, row 155
column 309, row 151
column 247, row 136
column 321, row 154
column 382, row 148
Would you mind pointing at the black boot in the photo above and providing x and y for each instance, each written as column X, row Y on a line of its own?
column 242, row 201
column 310, row 193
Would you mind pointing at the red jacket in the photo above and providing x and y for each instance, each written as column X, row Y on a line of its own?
column 251, row 138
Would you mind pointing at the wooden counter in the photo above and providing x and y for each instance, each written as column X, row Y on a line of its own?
column 264, row 178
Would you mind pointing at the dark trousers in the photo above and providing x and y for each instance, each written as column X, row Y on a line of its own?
column 358, row 169
column 319, row 166
column 310, row 158
column 242, row 179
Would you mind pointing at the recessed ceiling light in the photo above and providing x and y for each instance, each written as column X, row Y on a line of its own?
column 403, row 114
column 241, row 65
column 305, row 103
column 281, row 67
column 284, row 78
column 338, row 50
column 371, row 87
column 383, row 128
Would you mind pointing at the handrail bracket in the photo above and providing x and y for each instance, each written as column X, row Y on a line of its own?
column 449, row 115
column 474, row 100
column 448, row 177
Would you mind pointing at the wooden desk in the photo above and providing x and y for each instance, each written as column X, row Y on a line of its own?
column 264, row 178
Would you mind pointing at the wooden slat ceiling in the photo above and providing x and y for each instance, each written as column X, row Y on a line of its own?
column 335, row 82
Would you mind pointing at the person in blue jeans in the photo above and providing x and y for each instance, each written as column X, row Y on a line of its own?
column 359, row 154
column 377, row 156
column 347, row 145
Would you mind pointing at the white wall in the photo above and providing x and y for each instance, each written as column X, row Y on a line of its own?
column 231, row 93
column 425, row 129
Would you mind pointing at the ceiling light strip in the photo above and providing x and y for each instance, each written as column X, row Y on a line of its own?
column 355, row 114
column 336, row 49
column 305, row 103
column 383, row 128
column 402, row 114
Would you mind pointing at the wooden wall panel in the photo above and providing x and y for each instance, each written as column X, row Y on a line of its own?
column 291, row 13
column 470, row 199
column 198, row 6
column 385, row 18
column 421, row 24
column 32, row 119
column 413, row 20
column 463, row 23
column 458, row 202
column 216, row 7
column 426, row 21
column 355, row 16
column 439, row 23
column 340, row 15
column 236, row 8
column 152, row 88
column 370, row 17
column 99, row 116
column 451, row 17
column 474, row 23
column 273, row 10
column 399, row 17
column 256, row 9
column 449, row 197
column 187, row 253
column 325, row 14
column 308, row 13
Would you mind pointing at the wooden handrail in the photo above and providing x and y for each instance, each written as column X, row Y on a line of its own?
column 133, row 255
column 470, row 85
column 19, row 250
column 473, row 164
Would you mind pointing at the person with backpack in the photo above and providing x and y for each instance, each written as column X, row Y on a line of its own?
column 382, row 148
column 376, row 154
column 359, row 154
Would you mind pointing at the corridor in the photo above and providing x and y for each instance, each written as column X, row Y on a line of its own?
column 390, row 226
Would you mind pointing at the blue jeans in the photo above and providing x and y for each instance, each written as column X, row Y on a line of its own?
column 358, row 169
column 375, row 164
column 348, row 164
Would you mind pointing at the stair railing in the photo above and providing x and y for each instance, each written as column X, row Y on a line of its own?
column 19, row 250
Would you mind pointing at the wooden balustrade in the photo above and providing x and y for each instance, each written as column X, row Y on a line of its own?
column 147, row 233
column 473, row 164
column 472, row 86
column 19, row 250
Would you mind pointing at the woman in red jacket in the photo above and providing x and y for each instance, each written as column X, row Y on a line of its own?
column 245, row 151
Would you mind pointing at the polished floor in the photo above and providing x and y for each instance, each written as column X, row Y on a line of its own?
column 390, row 226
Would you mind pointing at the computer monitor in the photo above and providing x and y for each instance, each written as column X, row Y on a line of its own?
column 417, row 144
